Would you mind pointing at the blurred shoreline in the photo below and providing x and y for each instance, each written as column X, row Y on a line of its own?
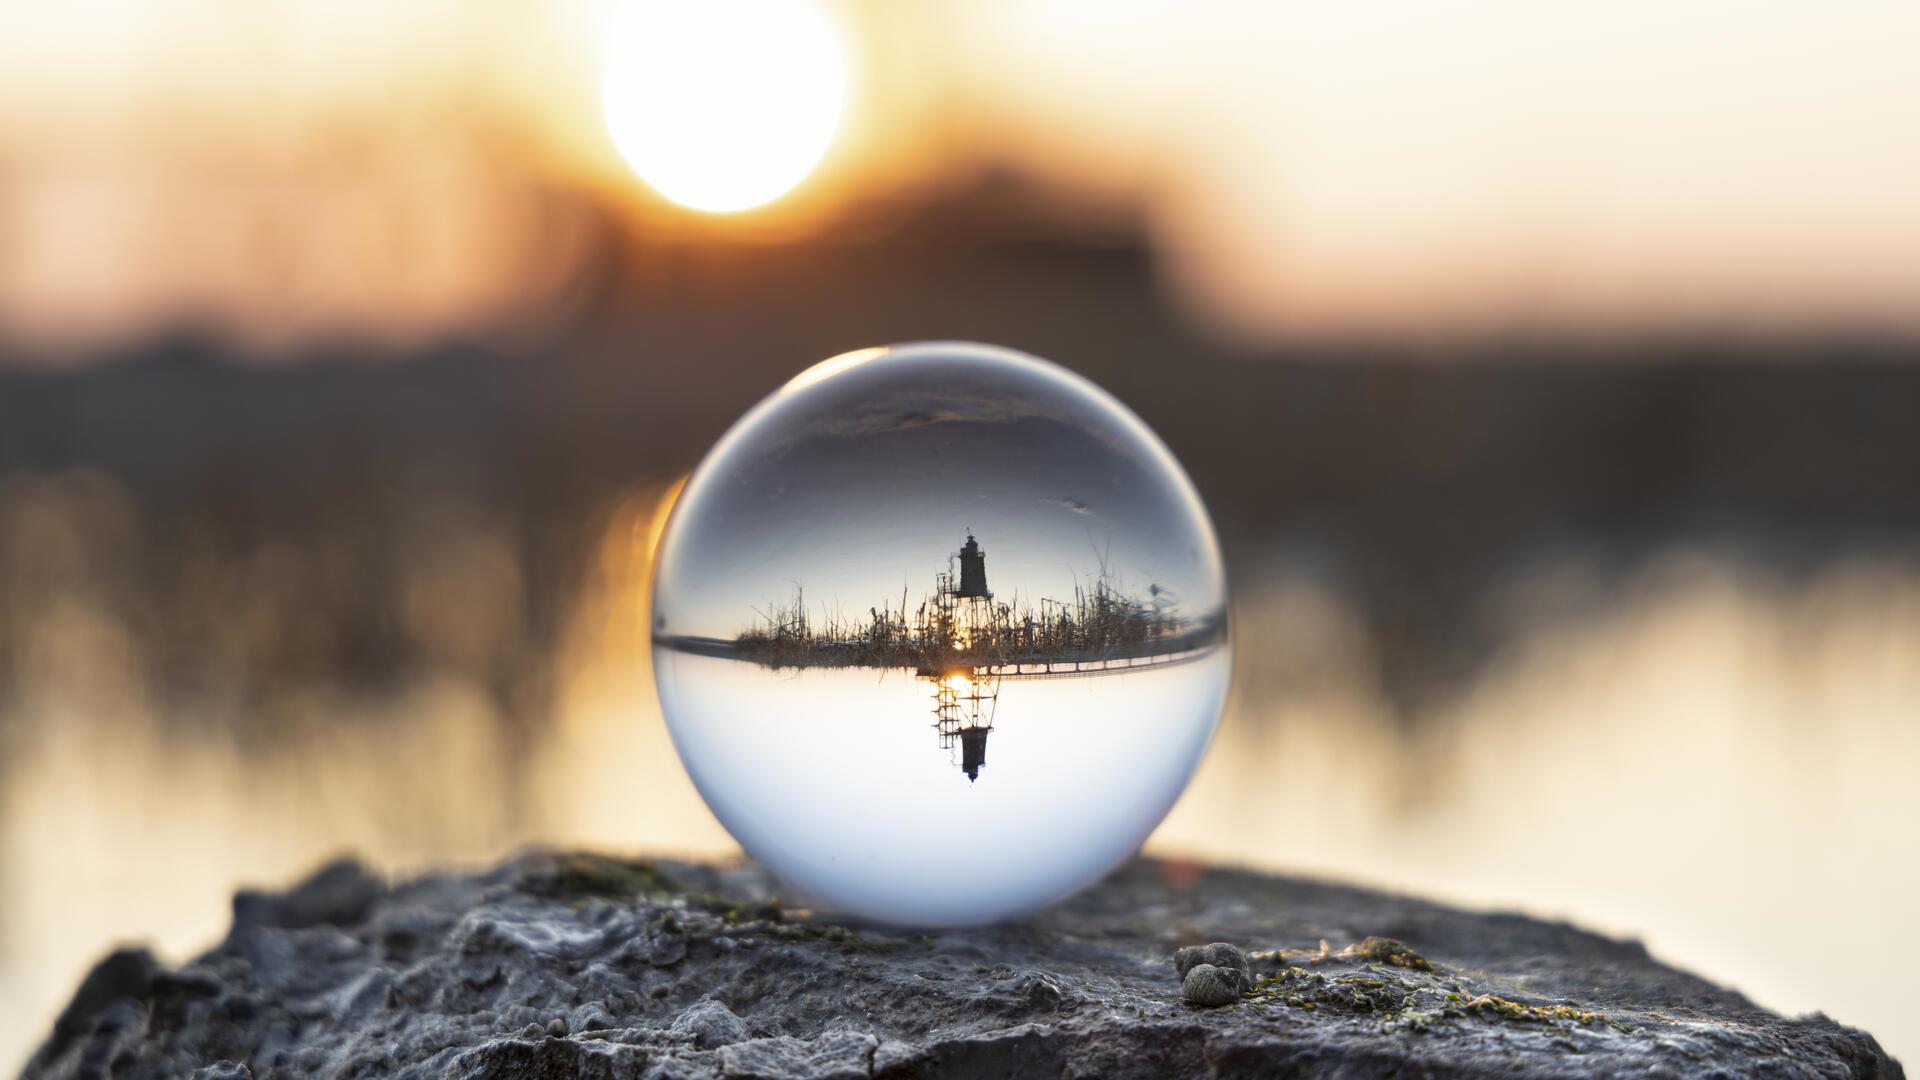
column 1624, row 634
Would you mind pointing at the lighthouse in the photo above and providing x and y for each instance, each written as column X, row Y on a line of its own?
column 973, row 571
column 973, row 750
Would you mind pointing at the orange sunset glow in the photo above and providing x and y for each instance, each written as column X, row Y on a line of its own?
column 1391, row 170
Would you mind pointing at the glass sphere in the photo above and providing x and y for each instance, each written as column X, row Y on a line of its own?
column 940, row 632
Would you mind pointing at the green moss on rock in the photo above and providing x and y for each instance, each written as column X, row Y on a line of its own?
column 1387, row 951
column 579, row 876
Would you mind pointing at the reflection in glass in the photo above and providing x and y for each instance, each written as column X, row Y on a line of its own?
column 802, row 608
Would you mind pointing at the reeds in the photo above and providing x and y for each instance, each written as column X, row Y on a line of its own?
column 1102, row 621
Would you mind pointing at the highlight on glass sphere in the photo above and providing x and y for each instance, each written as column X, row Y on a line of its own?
column 940, row 632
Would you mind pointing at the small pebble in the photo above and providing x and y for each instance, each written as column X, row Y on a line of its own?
column 709, row 1024
column 592, row 1016
column 557, row 1028
column 1208, row 986
column 1215, row 974
column 1220, row 954
column 531, row 1031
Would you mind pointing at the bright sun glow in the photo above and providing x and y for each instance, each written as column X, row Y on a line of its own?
column 723, row 104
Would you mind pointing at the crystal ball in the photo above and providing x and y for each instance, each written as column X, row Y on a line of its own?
column 940, row 632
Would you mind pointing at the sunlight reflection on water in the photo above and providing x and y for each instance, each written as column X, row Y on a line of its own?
column 1712, row 759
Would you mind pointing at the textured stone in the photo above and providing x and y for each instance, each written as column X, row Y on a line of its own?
column 709, row 1024
column 836, row 1055
column 564, row 966
column 339, row 893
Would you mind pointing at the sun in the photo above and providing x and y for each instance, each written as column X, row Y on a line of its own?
column 723, row 105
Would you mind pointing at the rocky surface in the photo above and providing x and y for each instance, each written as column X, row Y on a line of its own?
column 577, row 965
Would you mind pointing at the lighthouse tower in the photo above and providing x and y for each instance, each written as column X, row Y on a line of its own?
column 973, row 750
column 973, row 571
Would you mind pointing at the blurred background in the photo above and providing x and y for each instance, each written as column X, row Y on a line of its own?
column 1550, row 371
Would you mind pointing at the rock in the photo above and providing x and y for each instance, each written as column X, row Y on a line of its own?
column 337, row 894
column 122, row 975
column 593, row 1016
column 837, row 1055
column 1208, row 986
column 559, row 966
column 709, row 1024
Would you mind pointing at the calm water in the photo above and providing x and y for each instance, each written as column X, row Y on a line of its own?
column 1711, row 758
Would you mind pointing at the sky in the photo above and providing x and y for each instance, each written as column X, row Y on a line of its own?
column 858, row 485
column 1393, row 170
column 1475, row 165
